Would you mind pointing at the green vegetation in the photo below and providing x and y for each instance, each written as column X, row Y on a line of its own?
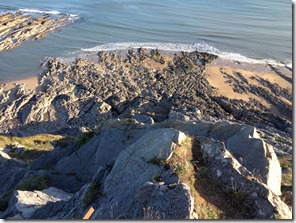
column 286, row 163
column 30, row 142
column 210, row 202
column 34, row 183
column 64, row 142
column 157, row 161
column 183, row 164
column 181, row 159
column 85, row 137
column 28, row 148
column 92, row 193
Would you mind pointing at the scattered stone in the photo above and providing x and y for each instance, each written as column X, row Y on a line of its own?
column 143, row 119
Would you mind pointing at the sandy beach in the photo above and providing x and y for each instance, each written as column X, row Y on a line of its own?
column 221, row 75
column 30, row 83
column 146, row 110
column 238, row 113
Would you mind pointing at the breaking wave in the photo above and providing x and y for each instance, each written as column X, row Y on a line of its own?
column 28, row 11
column 37, row 11
column 200, row 47
column 40, row 11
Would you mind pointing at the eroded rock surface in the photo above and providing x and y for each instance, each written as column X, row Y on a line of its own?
column 133, row 182
column 15, row 28
column 84, row 92
column 24, row 203
column 139, row 104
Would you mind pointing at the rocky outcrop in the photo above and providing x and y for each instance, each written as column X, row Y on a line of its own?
column 135, row 166
column 133, row 181
column 134, row 109
column 133, row 84
column 234, row 177
column 24, row 203
column 11, row 172
column 18, row 28
column 158, row 200
column 245, row 144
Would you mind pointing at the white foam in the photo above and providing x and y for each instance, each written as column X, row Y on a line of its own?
column 40, row 11
column 200, row 47
column 290, row 65
column 73, row 17
column 37, row 11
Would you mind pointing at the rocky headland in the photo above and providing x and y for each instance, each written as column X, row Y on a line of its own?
column 16, row 28
column 148, row 134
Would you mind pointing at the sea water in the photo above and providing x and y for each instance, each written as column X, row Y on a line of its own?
column 250, row 30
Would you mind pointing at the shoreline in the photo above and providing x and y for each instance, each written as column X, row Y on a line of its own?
column 265, row 70
column 116, row 100
column 75, row 54
column 30, row 83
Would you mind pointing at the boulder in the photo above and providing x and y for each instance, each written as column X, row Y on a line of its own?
column 224, row 130
column 178, row 116
column 100, row 150
column 49, row 160
column 25, row 203
column 132, row 169
column 257, row 156
column 144, row 119
column 260, row 201
column 11, row 172
column 155, row 201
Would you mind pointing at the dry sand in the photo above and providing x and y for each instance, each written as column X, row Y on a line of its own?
column 30, row 83
column 225, row 88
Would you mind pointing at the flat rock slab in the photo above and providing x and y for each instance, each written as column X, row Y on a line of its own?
column 24, row 203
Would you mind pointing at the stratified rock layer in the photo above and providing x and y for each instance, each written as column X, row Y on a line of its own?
column 125, row 180
column 84, row 92
column 139, row 104
column 18, row 28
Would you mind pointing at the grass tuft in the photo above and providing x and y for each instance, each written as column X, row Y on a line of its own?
column 286, row 163
column 28, row 148
column 93, row 191
column 85, row 137
column 157, row 161
column 34, row 183
column 29, row 142
column 64, row 142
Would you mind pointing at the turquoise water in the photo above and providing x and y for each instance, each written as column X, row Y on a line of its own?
column 236, row 29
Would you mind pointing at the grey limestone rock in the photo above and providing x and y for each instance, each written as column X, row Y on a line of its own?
column 143, row 119
column 159, row 201
column 257, row 156
column 25, row 203
column 261, row 201
column 133, row 168
column 11, row 173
